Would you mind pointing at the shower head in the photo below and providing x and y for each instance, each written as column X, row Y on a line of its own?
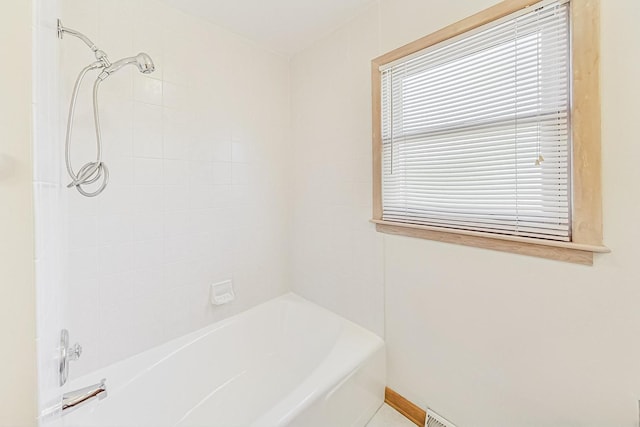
column 142, row 60
column 145, row 63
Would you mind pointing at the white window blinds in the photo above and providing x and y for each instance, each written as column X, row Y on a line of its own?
column 476, row 130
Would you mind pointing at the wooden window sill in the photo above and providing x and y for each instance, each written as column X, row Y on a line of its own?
column 577, row 253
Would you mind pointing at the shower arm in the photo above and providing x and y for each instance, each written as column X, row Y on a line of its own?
column 100, row 54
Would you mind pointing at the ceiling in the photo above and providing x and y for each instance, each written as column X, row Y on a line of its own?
column 285, row 26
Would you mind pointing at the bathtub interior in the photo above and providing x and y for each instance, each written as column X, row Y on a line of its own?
column 228, row 374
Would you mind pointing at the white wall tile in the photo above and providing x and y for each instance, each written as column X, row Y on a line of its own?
column 115, row 288
column 120, row 170
column 176, row 172
column 148, row 226
column 114, row 258
column 114, row 229
column 221, row 173
column 221, row 151
column 82, row 265
column 147, row 172
column 175, row 96
column 176, row 223
column 148, row 199
column 175, row 197
column 176, row 249
column 116, row 116
column 83, row 231
column 147, row 130
column 147, row 89
column 200, row 172
column 115, row 199
column 148, row 254
column 148, row 281
column 178, row 274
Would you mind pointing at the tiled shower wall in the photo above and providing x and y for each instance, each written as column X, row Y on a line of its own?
column 198, row 184
column 50, row 202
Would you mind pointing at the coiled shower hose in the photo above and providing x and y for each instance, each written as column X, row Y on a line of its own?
column 90, row 172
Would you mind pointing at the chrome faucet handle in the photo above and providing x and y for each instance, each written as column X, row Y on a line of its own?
column 67, row 354
column 74, row 353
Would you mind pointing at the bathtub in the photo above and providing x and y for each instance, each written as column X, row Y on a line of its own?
column 286, row 362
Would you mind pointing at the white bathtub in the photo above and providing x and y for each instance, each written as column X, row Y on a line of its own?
column 287, row 362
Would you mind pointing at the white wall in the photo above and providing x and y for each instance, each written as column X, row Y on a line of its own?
column 198, row 190
column 17, row 290
column 336, row 253
column 485, row 338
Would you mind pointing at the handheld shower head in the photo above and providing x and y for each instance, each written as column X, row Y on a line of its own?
column 145, row 63
column 142, row 60
column 94, row 171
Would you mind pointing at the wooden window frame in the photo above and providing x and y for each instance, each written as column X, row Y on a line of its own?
column 586, row 218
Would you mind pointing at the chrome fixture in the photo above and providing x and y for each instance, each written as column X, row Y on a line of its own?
column 94, row 171
column 77, row 398
column 67, row 354
column 142, row 61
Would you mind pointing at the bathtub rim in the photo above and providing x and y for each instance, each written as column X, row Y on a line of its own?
column 320, row 381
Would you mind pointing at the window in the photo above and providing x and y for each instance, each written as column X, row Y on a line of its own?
column 477, row 133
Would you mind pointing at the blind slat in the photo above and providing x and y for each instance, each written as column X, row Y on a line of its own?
column 476, row 132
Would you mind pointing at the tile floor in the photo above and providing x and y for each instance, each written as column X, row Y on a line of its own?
column 389, row 417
